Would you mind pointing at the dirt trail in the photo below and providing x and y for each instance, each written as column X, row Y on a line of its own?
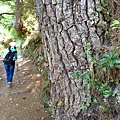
column 22, row 101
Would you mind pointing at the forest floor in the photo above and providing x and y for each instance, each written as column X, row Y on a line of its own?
column 23, row 100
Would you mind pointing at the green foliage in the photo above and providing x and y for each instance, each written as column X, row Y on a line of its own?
column 105, row 3
column 105, row 10
column 99, row 82
column 115, row 24
column 7, row 12
column 75, row 74
column 60, row 103
column 13, row 33
column 101, row 87
column 95, row 101
column 110, row 60
column 105, row 90
column 6, row 19
column 103, row 108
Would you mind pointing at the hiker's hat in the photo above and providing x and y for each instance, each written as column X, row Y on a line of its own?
column 12, row 44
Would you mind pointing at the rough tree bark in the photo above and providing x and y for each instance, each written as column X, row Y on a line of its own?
column 67, row 26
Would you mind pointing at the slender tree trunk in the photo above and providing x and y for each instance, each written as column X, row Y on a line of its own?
column 17, row 23
column 70, row 28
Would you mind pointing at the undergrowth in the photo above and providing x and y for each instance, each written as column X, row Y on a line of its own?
column 34, row 51
column 103, row 81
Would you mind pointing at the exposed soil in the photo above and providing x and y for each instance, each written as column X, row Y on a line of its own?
column 23, row 100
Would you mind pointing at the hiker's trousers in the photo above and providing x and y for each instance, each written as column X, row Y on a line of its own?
column 9, row 72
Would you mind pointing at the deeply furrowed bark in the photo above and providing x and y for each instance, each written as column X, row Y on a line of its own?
column 66, row 27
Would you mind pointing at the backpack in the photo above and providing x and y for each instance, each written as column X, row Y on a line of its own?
column 9, row 58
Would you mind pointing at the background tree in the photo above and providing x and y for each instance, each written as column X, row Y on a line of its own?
column 7, row 32
column 75, row 34
column 18, row 21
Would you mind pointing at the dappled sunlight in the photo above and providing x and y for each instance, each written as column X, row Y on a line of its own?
column 21, row 59
column 25, row 68
column 38, row 75
column 4, row 8
column 35, row 76
column 26, row 42
column 37, row 84
column 30, row 85
column 33, row 86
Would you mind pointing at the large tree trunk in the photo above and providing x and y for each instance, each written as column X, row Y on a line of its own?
column 69, row 28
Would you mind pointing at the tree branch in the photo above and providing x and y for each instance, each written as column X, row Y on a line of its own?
column 7, row 13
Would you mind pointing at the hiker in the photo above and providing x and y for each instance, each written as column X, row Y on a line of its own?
column 9, row 58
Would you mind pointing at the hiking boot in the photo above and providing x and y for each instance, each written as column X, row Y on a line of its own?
column 9, row 84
